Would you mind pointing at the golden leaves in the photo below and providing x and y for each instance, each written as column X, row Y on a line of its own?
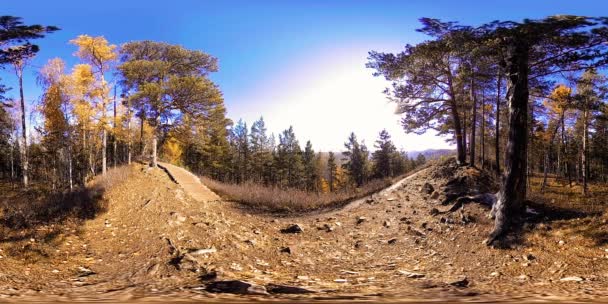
column 559, row 99
column 95, row 50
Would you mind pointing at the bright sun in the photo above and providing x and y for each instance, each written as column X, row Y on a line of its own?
column 324, row 100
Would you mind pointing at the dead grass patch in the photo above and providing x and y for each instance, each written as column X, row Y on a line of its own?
column 559, row 194
column 274, row 199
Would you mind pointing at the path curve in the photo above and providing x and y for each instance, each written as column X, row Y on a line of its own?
column 384, row 192
column 190, row 183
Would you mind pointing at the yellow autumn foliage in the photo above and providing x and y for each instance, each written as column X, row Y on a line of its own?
column 95, row 50
column 559, row 99
column 172, row 151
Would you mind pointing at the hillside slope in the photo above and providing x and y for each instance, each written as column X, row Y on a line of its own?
column 156, row 242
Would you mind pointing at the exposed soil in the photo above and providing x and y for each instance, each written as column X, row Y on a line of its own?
column 147, row 246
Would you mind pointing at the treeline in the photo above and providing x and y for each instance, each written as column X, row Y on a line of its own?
column 146, row 99
column 258, row 157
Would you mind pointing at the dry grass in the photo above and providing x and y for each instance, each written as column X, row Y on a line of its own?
column 559, row 194
column 274, row 199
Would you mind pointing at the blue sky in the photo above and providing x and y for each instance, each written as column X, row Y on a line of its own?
column 297, row 63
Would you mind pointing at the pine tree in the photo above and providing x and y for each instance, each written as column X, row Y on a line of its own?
column 261, row 151
column 6, row 141
column 399, row 163
column 588, row 101
column 16, row 50
column 384, row 156
column 427, row 80
column 356, row 160
column 165, row 81
column 420, row 160
column 240, row 142
column 528, row 51
column 289, row 160
column 310, row 173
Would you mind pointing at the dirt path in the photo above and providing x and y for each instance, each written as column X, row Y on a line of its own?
column 189, row 182
column 387, row 248
column 385, row 192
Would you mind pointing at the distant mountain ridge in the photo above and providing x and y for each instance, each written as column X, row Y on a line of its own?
column 428, row 154
column 432, row 153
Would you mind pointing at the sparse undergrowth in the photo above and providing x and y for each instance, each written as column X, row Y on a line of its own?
column 22, row 209
column 559, row 194
column 275, row 199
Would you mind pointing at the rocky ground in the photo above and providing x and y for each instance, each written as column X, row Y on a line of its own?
column 154, row 242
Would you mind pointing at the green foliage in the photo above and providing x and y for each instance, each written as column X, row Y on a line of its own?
column 262, row 148
column 356, row 160
column 383, row 157
column 15, row 46
column 168, row 86
column 164, row 81
column 239, row 141
column 288, row 160
column 310, row 174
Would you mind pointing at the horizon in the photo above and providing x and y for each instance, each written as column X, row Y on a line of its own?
column 295, row 64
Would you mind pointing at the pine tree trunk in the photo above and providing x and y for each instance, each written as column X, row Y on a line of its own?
column 566, row 161
column 141, row 135
column 548, row 154
column 545, row 170
column 12, row 161
column 464, row 133
column 155, row 143
column 458, row 133
column 584, row 164
column 513, row 187
column 129, row 144
column 497, row 143
column 24, row 160
column 473, row 123
column 483, row 130
column 558, row 169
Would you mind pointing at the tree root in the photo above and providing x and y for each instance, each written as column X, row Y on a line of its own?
column 488, row 199
column 496, row 235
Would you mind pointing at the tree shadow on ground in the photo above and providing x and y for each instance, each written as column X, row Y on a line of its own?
column 46, row 216
column 39, row 215
column 589, row 224
column 543, row 217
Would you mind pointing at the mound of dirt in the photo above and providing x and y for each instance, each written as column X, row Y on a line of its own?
column 461, row 180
